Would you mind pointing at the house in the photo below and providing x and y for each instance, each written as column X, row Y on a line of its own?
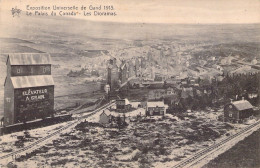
column 171, row 91
column 123, row 105
column 237, row 110
column 155, row 108
column 28, row 88
column 159, row 77
column 252, row 94
column 104, row 118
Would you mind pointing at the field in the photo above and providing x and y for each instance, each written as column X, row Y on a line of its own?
column 243, row 154
column 144, row 142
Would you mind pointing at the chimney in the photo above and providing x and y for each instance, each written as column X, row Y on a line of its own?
column 243, row 98
column 231, row 100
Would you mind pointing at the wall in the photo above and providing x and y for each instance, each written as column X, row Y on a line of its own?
column 155, row 111
column 123, row 75
column 8, row 105
column 114, row 77
column 120, row 104
column 104, row 119
column 230, row 109
column 33, row 103
column 27, row 70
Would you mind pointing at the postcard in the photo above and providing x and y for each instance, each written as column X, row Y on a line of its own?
column 129, row 83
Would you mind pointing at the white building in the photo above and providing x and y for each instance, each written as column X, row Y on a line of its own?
column 104, row 117
column 155, row 108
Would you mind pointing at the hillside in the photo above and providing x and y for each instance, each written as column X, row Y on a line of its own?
column 68, row 41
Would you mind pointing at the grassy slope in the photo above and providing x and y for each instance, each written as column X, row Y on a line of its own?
column 244, row 154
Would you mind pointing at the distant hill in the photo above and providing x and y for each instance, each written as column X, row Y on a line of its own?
column 37, row 28
column 66, row 38
column 245, row 50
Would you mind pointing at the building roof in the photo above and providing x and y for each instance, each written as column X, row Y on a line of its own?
column 126, row 101
column 32, row 81
column 242, row 105
column 29, row 58
column 106, row 113
column 155, row 104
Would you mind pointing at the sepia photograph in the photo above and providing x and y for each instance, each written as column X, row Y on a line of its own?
column 130, row 84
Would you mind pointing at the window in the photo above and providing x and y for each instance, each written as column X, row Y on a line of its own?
column 8, row 100
column 230, row 115
column 46, row 69
column 18, row 70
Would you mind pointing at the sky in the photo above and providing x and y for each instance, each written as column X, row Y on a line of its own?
column 159, row 11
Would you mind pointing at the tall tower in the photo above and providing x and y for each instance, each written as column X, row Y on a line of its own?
column 113, row 74
column 29, row 88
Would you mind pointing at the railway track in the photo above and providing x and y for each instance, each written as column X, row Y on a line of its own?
column 203, row 153
column 36, row 144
